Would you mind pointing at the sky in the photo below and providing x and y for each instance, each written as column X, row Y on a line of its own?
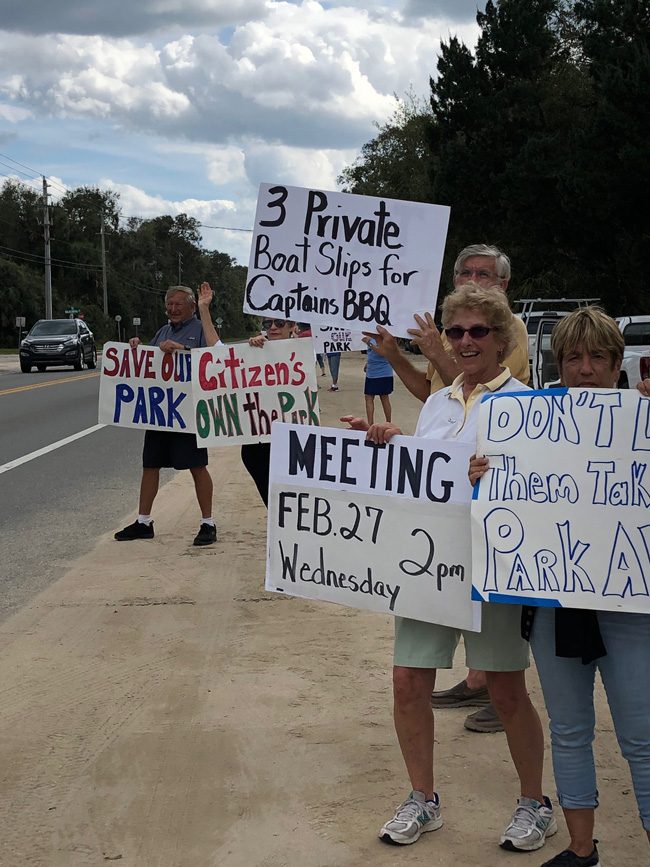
column 186, row 106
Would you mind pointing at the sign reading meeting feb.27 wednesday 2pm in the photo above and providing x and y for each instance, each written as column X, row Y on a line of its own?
column 562, row 517
column 344, row 260
column 383, row 528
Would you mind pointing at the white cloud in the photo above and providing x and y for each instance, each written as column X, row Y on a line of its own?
column 13, row 114
column 217, row 215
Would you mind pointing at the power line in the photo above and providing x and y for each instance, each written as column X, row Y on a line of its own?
column 34, row 171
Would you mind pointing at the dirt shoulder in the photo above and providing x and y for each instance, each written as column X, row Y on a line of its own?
column 159, row 708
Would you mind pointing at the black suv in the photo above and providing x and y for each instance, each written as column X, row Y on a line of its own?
column 56, row 342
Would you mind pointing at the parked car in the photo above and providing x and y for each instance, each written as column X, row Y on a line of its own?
column 636, row 333
column 58, row 342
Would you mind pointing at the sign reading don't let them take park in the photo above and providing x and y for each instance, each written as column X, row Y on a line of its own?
column 562, row 517
column 344, row 260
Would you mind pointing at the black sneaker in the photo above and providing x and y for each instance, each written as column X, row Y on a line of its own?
column 570, row 859
column 207, row 535
column 136, row 530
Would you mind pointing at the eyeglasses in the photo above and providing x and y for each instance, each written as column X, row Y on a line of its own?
column 279, row 323
column 476, row 332
column 479, row 273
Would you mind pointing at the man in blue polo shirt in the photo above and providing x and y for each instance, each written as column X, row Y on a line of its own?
column 184, row 331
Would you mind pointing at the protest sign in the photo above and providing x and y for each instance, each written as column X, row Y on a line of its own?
column 383, row 528
column 239, row 390
column 146, row 387
column 346, row 260
column 329, row 339
column 562, row 517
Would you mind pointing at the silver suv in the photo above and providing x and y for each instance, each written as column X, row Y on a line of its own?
column 58, row 342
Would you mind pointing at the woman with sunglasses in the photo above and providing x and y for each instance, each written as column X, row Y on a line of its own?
column 256, row 456
column 478, row 324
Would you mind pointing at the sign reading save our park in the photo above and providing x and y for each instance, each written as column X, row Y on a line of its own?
column 225, row 395
column 344, row 260
column 146, row 388
column 562, row 517
column 383, row 528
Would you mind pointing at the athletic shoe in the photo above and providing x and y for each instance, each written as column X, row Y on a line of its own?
column 484, row 720
column 460, row 695
column 334, row 388
column 531, row 824
column 570, row 859
column 412, row 818
column 207, row 534
column 136, row 530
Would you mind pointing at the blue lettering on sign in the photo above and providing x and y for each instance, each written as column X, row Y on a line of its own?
column 154, row 406
column 504, row 536
column 641, row 438
column 625, row 574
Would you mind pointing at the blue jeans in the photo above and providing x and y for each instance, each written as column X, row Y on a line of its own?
column 334, row 361
column 568, row 688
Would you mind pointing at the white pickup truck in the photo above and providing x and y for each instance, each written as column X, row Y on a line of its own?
column 636, row 361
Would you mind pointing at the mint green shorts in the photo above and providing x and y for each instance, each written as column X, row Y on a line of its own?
column 497, row 647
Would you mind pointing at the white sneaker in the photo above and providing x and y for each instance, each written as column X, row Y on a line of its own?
column 531, row 824
column 412, row 818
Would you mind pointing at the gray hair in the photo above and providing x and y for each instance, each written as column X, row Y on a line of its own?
column 184, row 289
column 502, row 261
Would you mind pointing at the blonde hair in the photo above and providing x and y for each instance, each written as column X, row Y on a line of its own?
column 493, row 305
column 591, row 329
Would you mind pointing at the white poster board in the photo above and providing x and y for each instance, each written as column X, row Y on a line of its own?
column 239, row 390
column 382, row 528
column 330, row 339
column 146, row 388
column 562, row 518
column 341, row 259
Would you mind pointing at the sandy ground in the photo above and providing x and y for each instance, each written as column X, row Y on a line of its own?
column 159, row 708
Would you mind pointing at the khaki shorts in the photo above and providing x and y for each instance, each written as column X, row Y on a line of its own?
column 497, row 647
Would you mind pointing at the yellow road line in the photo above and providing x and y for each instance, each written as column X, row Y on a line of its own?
column 45, row 384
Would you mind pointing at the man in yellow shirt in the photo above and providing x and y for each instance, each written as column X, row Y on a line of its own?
column 489, row 267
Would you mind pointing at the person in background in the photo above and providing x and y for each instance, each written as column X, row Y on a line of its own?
column 379, row 382
column 570, row 645
column 256, row 457
column 334, row 362
column 303, row 329
column 182, row 333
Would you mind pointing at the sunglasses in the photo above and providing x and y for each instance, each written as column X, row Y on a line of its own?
column 476, row 332
column 279, row 323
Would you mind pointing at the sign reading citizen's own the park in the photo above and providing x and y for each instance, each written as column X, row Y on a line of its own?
column 146, row 387
column 240, row 390
column 346, row 260
column 562, row 517
column 383, row 528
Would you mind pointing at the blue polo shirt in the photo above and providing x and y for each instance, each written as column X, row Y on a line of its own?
column 189, row 333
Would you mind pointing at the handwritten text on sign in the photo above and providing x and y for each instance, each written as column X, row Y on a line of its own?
column 383, row 528
column 329, row 339
column 239, row 390
column 338, row 259
column 563, row 515
column 146, row 387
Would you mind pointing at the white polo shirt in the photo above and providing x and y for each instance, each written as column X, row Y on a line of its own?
column 446, row 415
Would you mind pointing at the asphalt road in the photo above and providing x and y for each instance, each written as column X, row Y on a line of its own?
column 54, row 506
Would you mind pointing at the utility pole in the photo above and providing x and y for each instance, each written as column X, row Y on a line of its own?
column 48, row 260
column 180, row 267
column 104, row 279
